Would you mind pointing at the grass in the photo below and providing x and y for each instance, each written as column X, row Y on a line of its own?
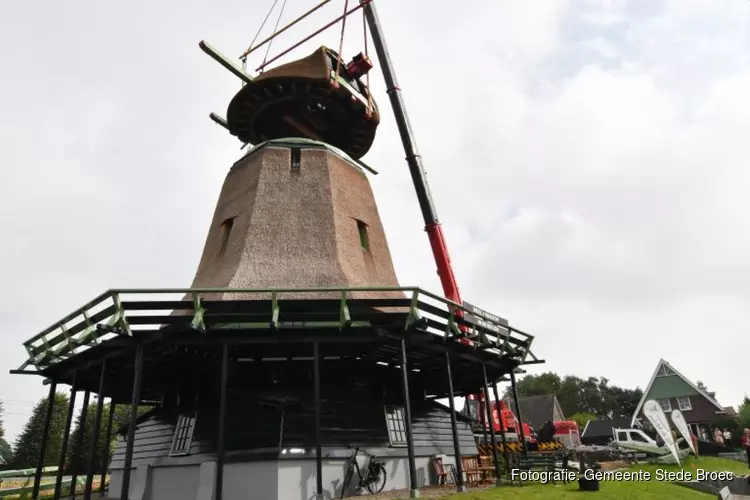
column 29, row 482
column 705, row 463
column 609, row 491
column 614, row 490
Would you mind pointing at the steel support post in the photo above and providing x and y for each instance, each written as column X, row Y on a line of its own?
column 66, row 438
column 45, row 438
column 79, row 441
column 503, row 430
column 318, row 448
column 518, row 413
column 93, row 447
column 454, row 427
column 414, row 490
column 489, row 412
column 221, row 431
column 107, row 444
column 134, row 402
column 483, row 420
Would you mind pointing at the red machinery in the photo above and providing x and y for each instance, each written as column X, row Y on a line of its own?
column 359, row 66
column 504, row 419
column 567, row 432
column 509, row 422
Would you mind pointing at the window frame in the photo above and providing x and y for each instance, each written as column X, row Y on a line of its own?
column 184, row 430
column 636, row 437
column 668, row 406
column 689, row 405
column 225, row 232
column 364, row 237
column 295, row 159
column 397, row 416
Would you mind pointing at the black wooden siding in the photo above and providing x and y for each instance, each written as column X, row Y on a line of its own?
column 253, row 432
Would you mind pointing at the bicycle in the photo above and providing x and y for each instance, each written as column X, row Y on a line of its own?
column 374, row 476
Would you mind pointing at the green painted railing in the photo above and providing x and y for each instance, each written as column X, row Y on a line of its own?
column 27, row 487
column 108, row 315
column 25, row 473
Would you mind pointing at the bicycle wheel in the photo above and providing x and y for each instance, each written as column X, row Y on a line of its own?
column 377, row 480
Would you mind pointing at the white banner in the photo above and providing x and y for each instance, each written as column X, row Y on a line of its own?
column 653, row 412
column 679, row 422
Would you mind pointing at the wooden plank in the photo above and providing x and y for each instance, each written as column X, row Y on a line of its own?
column 75, row 329
column 431, row 429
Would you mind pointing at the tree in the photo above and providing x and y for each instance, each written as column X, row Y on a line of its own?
column 743, row 415
column 5, row 450
column 29, row 443
column 546, row 383
column 6, row 453
column 2, row 428
column 582, row 419
column 77, row 458
column 591, row 395
column 569, row 395
column 536, row 385
column 625, row 401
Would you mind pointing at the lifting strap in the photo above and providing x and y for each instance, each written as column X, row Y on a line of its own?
column 367, row 76
column 275, row 29
column 268, row 40
column 315, row 33
column 250, row 48
column 254, row 47
column 341, row 42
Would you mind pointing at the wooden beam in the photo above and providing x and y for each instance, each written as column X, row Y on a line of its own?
column 25, row 372
column 219, row 120
column 225, row 61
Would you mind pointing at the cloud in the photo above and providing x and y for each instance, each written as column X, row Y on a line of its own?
column 587, row 160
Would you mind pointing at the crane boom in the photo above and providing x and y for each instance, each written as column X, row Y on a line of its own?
column 414, row 160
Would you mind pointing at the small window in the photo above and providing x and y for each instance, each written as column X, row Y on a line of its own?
column 183, row 435
column 296, row 158
column 665, row 404
column 394, row 418
column 683, row 403
column 695, row 429
column 622, row 436
column 637, row 437
column 226, row 230
column 470, row 410
column 363, row 239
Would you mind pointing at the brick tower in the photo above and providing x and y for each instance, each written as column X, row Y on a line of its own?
column 295, row 213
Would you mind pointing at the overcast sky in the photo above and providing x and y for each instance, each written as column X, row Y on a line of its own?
column 586, row 159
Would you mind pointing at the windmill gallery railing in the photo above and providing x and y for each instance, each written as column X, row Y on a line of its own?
column 127, row 311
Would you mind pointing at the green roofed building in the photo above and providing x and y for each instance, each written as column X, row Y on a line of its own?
column 674, row 391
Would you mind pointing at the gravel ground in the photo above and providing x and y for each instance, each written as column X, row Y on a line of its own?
column 613, row 465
